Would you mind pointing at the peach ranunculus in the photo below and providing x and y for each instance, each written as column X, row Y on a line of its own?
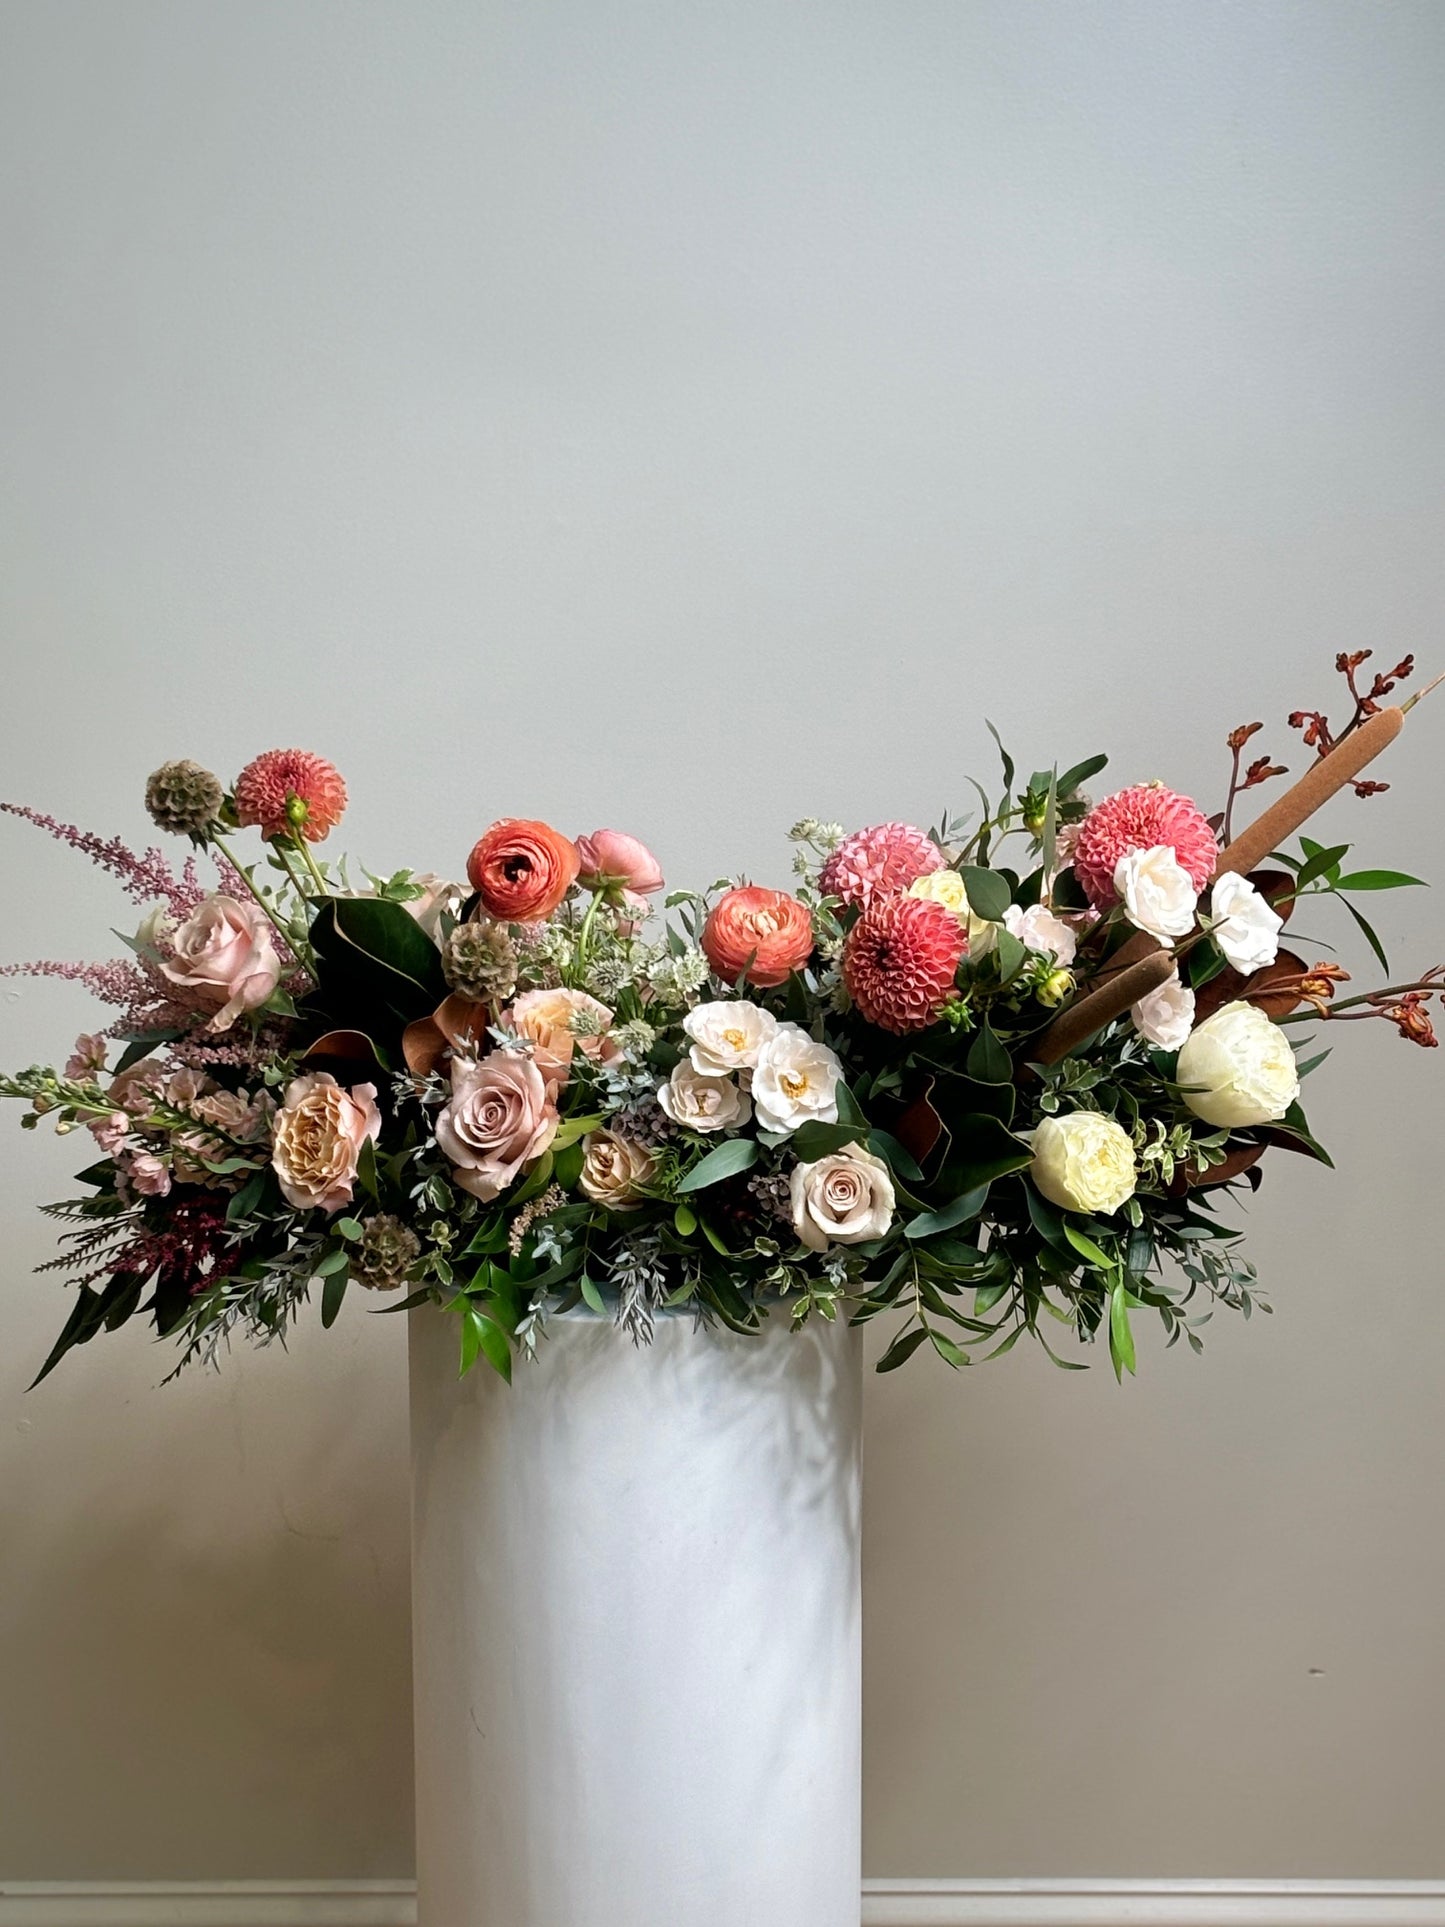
column 500, row 1117
column 614, row 862
column 765, row 932
column 223, row 955
column 558, row 1024
column 319, row 1132
column 522, row 869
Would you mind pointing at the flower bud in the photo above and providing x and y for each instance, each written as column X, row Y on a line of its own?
column 1056, row 987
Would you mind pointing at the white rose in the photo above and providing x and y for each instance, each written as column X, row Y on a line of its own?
column 1083, row 1162
column 1158, row 892
column 1037, row 928
column 1245, row 928
column 1238, row 1068
column 613, row 1170
column 728, row 1036
column 1166, row 1016
column 843, row 1199
column 796, row 1080
column 703, row 1103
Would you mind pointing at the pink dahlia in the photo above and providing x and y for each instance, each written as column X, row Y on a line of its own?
column 287, row 792
column 899, row 961
column 1146, row 817
column 879, row 860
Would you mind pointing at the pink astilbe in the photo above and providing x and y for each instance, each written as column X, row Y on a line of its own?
column 147, row 879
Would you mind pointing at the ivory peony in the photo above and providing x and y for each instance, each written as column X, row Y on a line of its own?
column 1083, row 1161
column 1238, row 1069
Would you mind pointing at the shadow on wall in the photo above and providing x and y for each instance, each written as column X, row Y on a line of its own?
column 204, row 1658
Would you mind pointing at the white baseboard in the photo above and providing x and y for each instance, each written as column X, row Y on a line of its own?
column 885, row 1903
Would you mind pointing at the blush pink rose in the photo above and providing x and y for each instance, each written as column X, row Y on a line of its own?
column 546, row 1018
column 317, row 1142
column 223, row 955
column 614, row 861
column 500, row 1117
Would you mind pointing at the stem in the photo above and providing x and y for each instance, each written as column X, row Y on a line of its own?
column 584, row 940
column 288, row 937
column 1377, row 998
column 321, row 884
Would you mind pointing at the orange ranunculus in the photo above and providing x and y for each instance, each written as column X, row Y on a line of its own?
column 522, row 870
column 765, row 932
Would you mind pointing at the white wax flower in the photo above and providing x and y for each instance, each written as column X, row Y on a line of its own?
column 1238, row 1068
column 1245, row 927
column 1166, row 1016
column 1158, row 892
column 796, row 1080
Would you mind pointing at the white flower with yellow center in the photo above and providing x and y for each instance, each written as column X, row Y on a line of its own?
column 728, row 1036
column 796, row 1080
column 701, row 1103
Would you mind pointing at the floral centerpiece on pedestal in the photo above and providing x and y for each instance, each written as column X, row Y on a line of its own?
column 998, row 1078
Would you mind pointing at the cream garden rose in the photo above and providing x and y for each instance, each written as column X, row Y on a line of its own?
column 1157, row 891
column 947, row 887
column 1238, row 1069
column 614, row 1170
column 842, row 1199
column 1084, row 1161
column 796, row 1080
column 317, row 1139
column 558, row 1024
column 728, row 1036
column 701, row 1102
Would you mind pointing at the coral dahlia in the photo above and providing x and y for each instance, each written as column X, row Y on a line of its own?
column 1146, row 817
column 899, row 961
column 290, row 792
column 878, row 861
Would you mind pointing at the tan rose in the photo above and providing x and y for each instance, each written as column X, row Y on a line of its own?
column 843, row 1199
column 547, row 1019
column 320, row 1130
column 223, row 955
column 500, row 1117
column 614, row 1169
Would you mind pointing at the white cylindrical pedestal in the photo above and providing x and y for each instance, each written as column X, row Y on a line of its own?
column 635, row 1587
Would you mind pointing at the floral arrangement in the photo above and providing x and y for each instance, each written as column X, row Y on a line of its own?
column 997, row 1078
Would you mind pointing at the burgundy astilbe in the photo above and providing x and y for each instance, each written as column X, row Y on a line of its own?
column 147, row 878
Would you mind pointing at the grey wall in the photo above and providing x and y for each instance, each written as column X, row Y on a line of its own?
column 688, row 418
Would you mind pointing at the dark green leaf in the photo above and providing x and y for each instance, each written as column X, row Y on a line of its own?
column 929, row 1223
column 1369, row 935
column 988, row 1061
column 1121, row 1337
column 1080, row 773
column 950, row 1353
column 1379, row 880
column 902, row 1349
column 813, row 1140
column 725, row 1162
column 1008, row 764
column 988, row 894
column 334, row 1290
column 884, row 1146
column 1317, row 865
